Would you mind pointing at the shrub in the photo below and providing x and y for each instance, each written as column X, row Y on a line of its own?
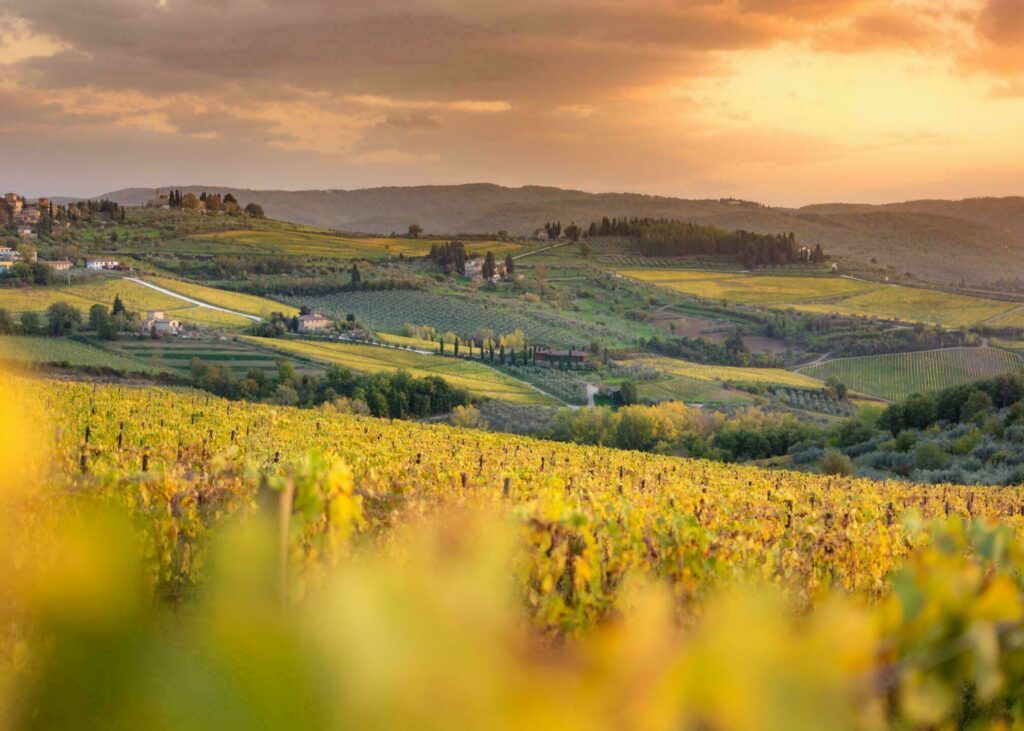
column 836, row 463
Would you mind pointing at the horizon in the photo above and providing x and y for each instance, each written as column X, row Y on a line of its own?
column 212, row 188
column 785, row 102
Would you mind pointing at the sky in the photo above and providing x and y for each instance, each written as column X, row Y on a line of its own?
column 787, row 102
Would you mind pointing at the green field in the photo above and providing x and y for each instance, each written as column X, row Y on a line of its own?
column 73, row 352
column 478, row 379
column 103, row 290
column 831, row 294
column 391, row 311
column 661, row 378
column 898, row 375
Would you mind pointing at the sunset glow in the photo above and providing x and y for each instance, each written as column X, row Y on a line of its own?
column 782, row 101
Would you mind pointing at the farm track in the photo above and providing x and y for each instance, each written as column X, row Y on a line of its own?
column 198, row 303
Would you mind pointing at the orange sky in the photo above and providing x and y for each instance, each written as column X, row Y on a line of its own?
column 782, row 101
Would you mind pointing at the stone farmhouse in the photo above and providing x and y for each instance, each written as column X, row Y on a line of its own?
column 314, row 322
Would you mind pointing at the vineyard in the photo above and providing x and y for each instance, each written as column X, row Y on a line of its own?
column 391, row 311
column 836, row 295
column 898, row 375
column 298, row 585
column 751, row 289
column 1013, row 318
column 480, row 380
column 663, row 379
column 916, row 305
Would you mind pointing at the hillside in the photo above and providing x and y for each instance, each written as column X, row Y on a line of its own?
column 978, row 240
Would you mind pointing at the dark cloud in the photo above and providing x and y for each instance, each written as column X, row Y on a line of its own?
column 1002, row 21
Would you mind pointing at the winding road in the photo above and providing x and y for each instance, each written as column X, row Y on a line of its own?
column 171, row 293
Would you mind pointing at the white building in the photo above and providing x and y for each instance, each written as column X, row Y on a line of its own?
column 102, row 264
column 155, row 322
column 58, row 265
column 25, row 232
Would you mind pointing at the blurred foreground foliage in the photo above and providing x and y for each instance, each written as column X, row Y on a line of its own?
column 249, row 595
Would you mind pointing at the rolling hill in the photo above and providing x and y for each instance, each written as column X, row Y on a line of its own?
column 977, row 240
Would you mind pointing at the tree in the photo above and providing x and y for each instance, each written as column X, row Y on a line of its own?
column 415, row 230
column 573, row 232
column 254, row 210
column 468, row 417
column 837, row 386
column 30, row 324
column 61, row 318
column 510, row 265
column 978, row 404
column 230, row 199
column 489, row 267
column 119, row 308
column 357, row 277
column 629, row 394
column 7, row 326
column 101, row 321
column 584, row 249
column 191, row 203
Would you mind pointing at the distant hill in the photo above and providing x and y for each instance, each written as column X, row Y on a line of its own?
column 978, row 240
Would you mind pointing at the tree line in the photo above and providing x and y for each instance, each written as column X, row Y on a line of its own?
column 669, row 238
column 388, row 395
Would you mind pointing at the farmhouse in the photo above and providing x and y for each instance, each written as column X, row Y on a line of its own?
column 102, row 264
column 7, row 253
column 155, row 322
column 314, row 322
column 58, row 265
column 5, row 266
column 564, row 358
column 14, row 202
column 158, row 201
column 26, row 232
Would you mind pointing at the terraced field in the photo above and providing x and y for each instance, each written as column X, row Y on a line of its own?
column 478, row 379
column 176, row 355
column 103, row 290
column 898, row 375
column 61, row 350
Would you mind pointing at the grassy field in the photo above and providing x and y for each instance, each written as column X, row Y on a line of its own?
column 831, row 294
column 103, row 290
column 476, row 378
column 668, row 378
column 62, row 350
column 759, row 289
column 901, row 374
column 284, row 239
column 917, row 305
column 246, row 303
